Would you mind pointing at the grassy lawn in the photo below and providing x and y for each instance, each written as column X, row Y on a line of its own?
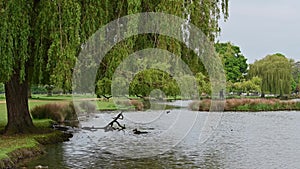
column 107, row 105
column 2, row 97
column 3, row 116
column 101, row 105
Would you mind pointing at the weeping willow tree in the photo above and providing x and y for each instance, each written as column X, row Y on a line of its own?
column 275, row 73
column 39, row 42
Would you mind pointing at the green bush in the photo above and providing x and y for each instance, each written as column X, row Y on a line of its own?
column 37, row 89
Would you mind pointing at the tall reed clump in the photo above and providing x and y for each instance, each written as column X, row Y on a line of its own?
column 201, row 105
column 248, row 105
column 58, row 112
column 251, row 104
column 136, row 104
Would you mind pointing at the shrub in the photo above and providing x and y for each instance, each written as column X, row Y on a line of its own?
column 205, row 105
column 195, row 105
column 56, row 112
column 137, row 104
column 202, row 105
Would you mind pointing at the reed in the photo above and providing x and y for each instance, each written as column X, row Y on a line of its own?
column 248, row 105
column 56, row 111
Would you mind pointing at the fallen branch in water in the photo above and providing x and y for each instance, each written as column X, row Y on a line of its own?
column 109, row 126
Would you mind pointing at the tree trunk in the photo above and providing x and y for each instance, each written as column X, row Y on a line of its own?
column 19, row 119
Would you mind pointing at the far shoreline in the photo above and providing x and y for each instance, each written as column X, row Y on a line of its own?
column 248, row 105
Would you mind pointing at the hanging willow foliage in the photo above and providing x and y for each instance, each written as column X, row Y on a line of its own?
column 14, row 32
column 205, row 14
column 275, row 72
column 57, row 38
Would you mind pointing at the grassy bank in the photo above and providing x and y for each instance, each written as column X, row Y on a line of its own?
column 19, row 147
column 252, row 105
column 14, row 149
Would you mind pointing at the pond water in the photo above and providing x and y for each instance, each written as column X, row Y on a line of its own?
column 239, row 140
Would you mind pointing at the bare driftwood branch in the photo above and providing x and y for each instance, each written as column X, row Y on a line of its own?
column 109, row 126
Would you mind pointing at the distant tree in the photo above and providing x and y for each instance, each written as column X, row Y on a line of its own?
column 235, row 64
column 275, row 73
column 148, row 80
column 203, row 84
column 172, row 89
column 250, row 86
column 246, row 86
column 103, row 88
column 296, row 77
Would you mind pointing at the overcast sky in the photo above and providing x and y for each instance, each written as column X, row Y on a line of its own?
column 261, row 27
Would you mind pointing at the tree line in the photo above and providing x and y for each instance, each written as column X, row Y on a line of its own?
column 275, row 74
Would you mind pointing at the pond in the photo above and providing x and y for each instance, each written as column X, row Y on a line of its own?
column 238, row 140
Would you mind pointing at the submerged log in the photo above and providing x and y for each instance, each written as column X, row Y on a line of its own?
column 136, row 131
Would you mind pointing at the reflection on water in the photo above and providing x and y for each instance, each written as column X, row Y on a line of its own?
column 241, row 140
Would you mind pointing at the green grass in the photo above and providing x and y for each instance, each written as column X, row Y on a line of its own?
column 2, row 97
column 13, row 147
column 109, row 105
column 3, row 116
column 9, row 144
column 101, row 105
